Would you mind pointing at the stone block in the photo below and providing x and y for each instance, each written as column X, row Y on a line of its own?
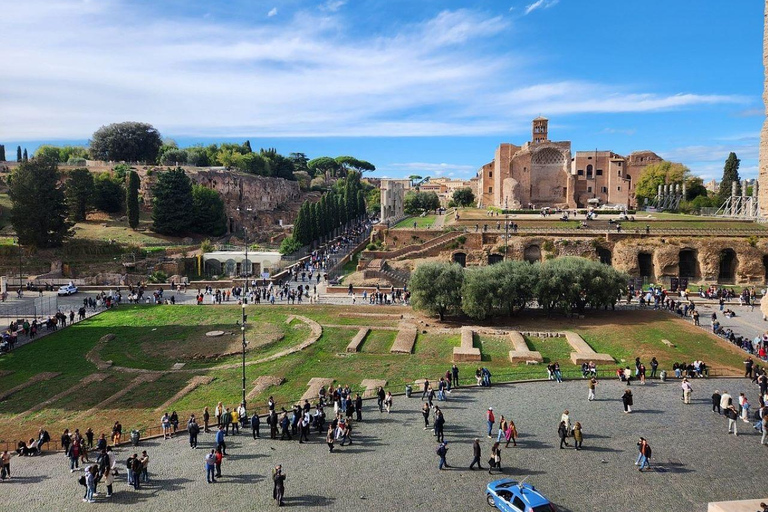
column 354, row 345
column 406, row 339
column 467, row 351
column 521, row 353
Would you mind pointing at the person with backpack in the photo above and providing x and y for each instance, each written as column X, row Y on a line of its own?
column 193, row 429
column 626, row 398
column 562, row 432
column 278, row 491
column 129, row 468
column 136, row 468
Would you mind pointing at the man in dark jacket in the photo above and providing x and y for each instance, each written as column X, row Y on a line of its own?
column 193, row 429
column 255, row 422
column 278, row 491
column 380, row 395
column 136, row 470
column 476, row 455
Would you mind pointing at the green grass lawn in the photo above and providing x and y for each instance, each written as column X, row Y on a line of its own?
column 421, row 222
column 624, row 335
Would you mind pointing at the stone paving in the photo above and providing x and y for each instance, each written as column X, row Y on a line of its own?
column 392, row 464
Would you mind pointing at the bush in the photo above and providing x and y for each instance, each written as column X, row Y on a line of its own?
column 290, row 245
column 206, row 245
column 158, row 277
column 76, row 161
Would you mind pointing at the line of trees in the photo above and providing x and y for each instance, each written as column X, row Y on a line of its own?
column 339, row 206
column 568, row 284
column 180, row 208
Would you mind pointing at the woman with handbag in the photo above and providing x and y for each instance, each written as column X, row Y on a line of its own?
column 495, row 460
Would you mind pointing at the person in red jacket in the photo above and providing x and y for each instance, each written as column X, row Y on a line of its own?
column 491, row 419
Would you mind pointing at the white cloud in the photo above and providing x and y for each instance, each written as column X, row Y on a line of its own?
column 333, row 5
column 430, row 169
column 619, row 131
column 77, row 66
column 713, row 153
column 272, row 12
column 539, row 4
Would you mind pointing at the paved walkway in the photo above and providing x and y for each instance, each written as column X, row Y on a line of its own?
column 393, row 466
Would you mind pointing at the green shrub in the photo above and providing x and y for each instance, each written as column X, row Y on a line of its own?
column 548, row 246
column 158, row 277
column 206, row 245
column 462, row 239
column 289, row 245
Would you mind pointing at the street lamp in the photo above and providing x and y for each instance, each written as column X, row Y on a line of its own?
column 246, row 262
column 245, row 344
column 18, row 242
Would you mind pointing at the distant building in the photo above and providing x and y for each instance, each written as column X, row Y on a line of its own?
column 542, row 173
column 712, row 186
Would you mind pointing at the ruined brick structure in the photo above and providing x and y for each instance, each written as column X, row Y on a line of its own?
column 542, row 173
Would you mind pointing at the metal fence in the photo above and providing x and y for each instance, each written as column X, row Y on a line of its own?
column 40, row 307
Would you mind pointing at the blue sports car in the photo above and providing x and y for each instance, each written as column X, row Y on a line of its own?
column 511, row 496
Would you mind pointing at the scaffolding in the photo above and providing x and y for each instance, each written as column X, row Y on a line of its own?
column 741, row 206
column 668, row 197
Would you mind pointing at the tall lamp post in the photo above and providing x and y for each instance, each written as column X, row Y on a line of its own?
column 245, row 344
column 246, row 263
column 18, row 242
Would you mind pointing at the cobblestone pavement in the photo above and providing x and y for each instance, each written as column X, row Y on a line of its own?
column 392, row 464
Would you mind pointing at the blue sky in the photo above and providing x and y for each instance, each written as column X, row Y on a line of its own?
column 427, row 87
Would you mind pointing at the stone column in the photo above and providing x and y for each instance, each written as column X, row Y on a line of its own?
column 763, row 164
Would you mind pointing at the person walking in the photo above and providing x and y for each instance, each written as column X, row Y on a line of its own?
column 763, row 424
column 626, row 398
column 687, row 389
column 426, row 388
column 495, row 460
column 725, row 400
column 255, row 422
column 511, row 434
column 109, row 470
column 425, row 413
column 562, row 432
column 90, row 484
column 359, row 407
column 731, row 414
column 644, row 456
column 380, row 396
column 577, row 435
column 278, row 491
column 490, row 419
column 476, row 452
column 745, row 406
column 165, row 422
column 442, row 452
column 501, row 432
column 455, row 375
column 592, row 384
column 654, row 367
column 716, row 401
column 210, row 467
column 388, row 402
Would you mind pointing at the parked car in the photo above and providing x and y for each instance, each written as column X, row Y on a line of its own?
column 67, row 290
column 512, row 496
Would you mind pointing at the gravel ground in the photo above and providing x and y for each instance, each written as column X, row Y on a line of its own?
column 392, row 464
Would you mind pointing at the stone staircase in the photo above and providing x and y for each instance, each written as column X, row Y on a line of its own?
column 417, row 251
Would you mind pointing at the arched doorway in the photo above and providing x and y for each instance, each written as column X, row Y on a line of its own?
column 460, row 258
column 230, row 267
column 688, row 265
column 213, row 268
column 728, row 265
column 645, row 262
column 532, row 254
column 604, row 255
column 495, row 258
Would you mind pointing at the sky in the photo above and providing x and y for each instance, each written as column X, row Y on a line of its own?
column 426, row 87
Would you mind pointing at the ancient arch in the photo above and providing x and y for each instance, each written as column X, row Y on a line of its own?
column 213, row 268
column 645, row 263
column 495, row 258
column 460, row 258
column 728, row 265
column 532, row 254
column 604, row 255
column 688, row 264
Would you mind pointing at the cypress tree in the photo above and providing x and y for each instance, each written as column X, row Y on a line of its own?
column 18, row 154
column 730, row 174
column 26, row 157
column 360, row 203
column 173, row 209
column 132, row 199
column 247, row 147
column 2, row 153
